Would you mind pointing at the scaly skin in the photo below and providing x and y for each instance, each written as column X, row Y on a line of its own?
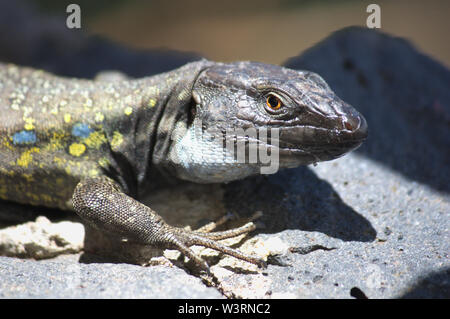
column 97, row 146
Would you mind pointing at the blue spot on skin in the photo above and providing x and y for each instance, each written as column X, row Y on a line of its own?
column 24, row 137
column 81, row 130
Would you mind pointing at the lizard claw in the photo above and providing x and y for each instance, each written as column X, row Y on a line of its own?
column 182, row 239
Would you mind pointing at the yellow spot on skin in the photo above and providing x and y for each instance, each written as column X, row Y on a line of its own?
column 152, row 102
column 128, row 110
column 116, row 141
column 93, row 172
column 28, row 177
column 4, row 142
column 34, row 197
column 59, row 161
column 103, row 162
column 57, row 141
column 99, row 117
column 95, row 139
column 6, row 172
column 3, row 192
column 46, row 198
column 67, row 118
column 29, row 123
column 111, row 104
column 77, row 149
column 27, row 157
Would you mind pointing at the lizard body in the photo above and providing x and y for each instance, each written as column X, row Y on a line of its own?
column 97, row 146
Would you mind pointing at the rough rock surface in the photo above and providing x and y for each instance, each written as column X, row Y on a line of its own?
column 65, row 277
column 41, row 239
column 372, row 224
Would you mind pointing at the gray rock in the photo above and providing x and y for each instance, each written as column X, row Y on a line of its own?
column 385, row 208
column 396, row 241
column 65, row 277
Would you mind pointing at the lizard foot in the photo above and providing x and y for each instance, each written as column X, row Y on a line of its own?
column 181, row 239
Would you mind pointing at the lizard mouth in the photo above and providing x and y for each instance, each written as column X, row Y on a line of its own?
column 314, row 154
column 303, row 145
column 288, row 155
column 315, row 144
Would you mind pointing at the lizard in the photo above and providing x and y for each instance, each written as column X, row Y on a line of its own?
column 96, row 147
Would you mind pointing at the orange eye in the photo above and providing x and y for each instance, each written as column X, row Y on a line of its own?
column 273, row 102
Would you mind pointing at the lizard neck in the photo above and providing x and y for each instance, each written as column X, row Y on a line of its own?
column 141, row 140
column 200, row 156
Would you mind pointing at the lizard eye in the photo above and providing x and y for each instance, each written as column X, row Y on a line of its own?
column 273, row 103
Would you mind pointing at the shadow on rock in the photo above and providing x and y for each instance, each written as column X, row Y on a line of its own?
column 402, row 93
column 12, row 213
column 435, row 285
column 298, row 199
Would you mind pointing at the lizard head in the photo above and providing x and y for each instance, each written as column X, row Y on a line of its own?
column 293, row 117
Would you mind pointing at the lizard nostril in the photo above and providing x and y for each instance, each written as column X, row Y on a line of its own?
column 348, row 126
column 356, row 124
column 351, row 123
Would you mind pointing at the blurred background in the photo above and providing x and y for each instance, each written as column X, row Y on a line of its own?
column 267, row 31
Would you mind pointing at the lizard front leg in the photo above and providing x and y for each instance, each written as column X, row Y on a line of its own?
column 101, row 203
